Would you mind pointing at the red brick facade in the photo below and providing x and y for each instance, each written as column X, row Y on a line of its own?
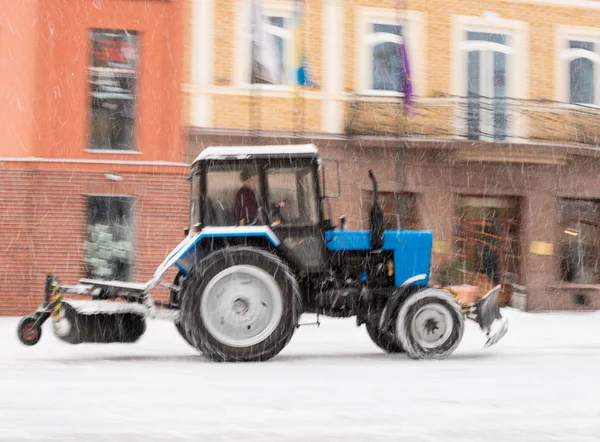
column 94, row 89
column 43, row 214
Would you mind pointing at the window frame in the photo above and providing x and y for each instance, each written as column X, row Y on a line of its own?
column 243, row 44
column 133, row 147
column 412, row 29
column 390, row 203
column 564, row 56
column 517, row 66
column 563, row 225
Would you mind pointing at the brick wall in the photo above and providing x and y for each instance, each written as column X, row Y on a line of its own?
column 43, row 215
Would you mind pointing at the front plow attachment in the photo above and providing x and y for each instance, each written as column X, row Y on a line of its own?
column 486, row 313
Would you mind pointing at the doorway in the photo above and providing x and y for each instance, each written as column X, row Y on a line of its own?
column 487, row 241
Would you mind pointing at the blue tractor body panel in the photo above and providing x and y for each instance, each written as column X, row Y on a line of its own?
column 412, row 249
column 181, row 256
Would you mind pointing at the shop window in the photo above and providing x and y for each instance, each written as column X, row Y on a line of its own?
column 487, row 239
column 580, row 224
column 109, row 243
column 112, row 77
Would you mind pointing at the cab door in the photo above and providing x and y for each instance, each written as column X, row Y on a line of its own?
column 294, row 214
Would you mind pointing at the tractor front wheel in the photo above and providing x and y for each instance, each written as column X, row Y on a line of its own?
column 240, row 304
column 386, row 341
column 430, row 324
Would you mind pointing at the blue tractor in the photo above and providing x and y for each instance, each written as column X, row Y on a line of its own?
column 260, row 251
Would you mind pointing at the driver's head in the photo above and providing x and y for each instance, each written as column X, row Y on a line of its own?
column 248, row 177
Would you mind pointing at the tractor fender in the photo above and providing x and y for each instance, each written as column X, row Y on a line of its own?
column 178, row 256
column 387, row 318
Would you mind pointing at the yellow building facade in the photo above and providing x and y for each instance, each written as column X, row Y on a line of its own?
column 500, row 150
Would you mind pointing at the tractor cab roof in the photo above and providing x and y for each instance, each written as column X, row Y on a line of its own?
column 257, row 152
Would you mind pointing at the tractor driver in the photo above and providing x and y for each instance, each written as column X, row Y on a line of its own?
column 246, row 204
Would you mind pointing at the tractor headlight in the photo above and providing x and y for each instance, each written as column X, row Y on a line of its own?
column 390, row 267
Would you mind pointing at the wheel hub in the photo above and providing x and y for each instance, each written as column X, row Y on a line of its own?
column 29, row 333
column 241, row 306
column 431, row 326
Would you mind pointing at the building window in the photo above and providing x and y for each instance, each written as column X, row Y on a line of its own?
column 399, row 210
column 112, row 77
column 379, row 34
column 278, row 20
column 581, row 57
column 487, row 56
column 580, row 248
column 109, row 242
column 386, row 68
column 277, row 29
column 490, row 70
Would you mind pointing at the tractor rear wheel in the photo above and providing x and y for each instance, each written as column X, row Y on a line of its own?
column 430, row 324
column 175, row 300
column 386, row 341
column 240, row 304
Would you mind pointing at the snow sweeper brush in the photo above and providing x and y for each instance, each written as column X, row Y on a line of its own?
column 80, row 322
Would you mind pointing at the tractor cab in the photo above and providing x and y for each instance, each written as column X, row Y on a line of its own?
column 273, row 187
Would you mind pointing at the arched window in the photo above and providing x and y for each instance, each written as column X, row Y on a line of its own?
column 384, row 42
column 487, row 58
column 581, row 58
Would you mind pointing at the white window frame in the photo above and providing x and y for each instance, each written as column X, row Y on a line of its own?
column 412, row 30
column 517, row 66
column 564, row 56
column 243, row 54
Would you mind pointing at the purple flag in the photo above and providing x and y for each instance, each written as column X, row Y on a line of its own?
column 406, row 84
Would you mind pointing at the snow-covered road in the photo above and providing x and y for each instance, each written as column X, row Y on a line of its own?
column 541, row 383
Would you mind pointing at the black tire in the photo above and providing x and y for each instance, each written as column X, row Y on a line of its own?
column 182, row 332
column 175, row 299
column 284, row 289
column 28, row 335
column 386, row 341
column 440, row 313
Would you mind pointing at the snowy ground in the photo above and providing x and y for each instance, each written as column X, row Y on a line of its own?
column 541, row 383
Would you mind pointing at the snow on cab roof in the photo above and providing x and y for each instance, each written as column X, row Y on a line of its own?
column 241, row 152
